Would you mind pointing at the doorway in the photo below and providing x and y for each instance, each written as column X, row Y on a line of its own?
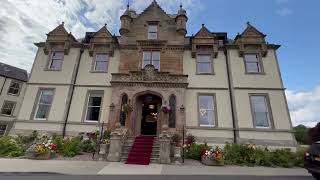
column 151, row 105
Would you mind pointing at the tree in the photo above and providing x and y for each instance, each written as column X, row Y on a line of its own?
column 314, row 134
column 301, row 134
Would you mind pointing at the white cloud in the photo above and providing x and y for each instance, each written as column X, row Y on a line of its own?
column 284, row 11
column 304, row 106
column 23, row 23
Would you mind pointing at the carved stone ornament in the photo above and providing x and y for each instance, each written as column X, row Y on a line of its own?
column 59, row 39
column 102, row 42
column 250, row 39
column 204, row 38
column 149, row 77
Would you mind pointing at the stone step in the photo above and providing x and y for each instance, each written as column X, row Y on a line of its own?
column 152, row 160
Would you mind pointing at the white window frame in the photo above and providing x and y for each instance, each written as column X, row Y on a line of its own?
column 14, row 82
column 152, row 32
column 210, row 63
column 95, row 62
column 214, row 112
column 151, row 61
column 258, row 62
column 268, row 111
column 12, row 110
column 38, row 103
column 51, row 61
column 93, row 94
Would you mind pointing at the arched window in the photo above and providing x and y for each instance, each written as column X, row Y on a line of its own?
column 172, row 114
column 124, row 101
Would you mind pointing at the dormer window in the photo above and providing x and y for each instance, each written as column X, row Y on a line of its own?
column 152, row 31
column 151, row 57
column 252, row 63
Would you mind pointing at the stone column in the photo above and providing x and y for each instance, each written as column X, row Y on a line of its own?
column 116, row 142
column 165, row 145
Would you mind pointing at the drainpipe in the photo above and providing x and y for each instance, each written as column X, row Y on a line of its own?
column 70, row 95
column 231, row 94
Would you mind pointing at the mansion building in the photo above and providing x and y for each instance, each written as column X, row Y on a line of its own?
column 152, row 75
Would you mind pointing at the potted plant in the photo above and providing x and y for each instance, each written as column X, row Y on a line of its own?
column 42, row 151
column 212, row 157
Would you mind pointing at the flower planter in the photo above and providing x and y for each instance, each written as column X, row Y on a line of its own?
column 210, row 162
column 104, row 149
column 177, row 154
column 45, row 156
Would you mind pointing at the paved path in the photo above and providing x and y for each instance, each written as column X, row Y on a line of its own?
column 147, row 177
column 113, row 168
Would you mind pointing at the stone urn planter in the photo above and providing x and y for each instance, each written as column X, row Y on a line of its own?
column 104, row 149
column 45, row 156
column 177, row 154
column 210, row 162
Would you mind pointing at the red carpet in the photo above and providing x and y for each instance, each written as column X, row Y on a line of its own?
column 141, row 150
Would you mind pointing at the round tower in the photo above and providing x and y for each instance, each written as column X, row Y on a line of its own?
column 181, row 21
column 126, row 20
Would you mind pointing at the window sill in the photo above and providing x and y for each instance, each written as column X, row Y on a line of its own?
column 205, row 73
column 14, row 94
column 52, row 70
column 6, row 115
column 90, row 122
column 98, row 71
column 39, row 119
column 255, row 73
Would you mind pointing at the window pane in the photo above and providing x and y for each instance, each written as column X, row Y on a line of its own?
column 94, row 101
column 46, row 97
column 204, row 58
column 261, row 119
column 93, row 113
column 155, row 55
column 147, row 55
column 251, row 57
column 101, row 57
column 44, row 103
column 145, row 63
column 252, row 67
column 152, row 35
column 101, row 66
column 57, row 55
column 2, row 129
column 156, row 64
column 260, row 111
column 152, row 28
column 204, row 67
column 206, row 111
column 56, row 64
column 42, row 111
column 7, row 108
column 206, row 102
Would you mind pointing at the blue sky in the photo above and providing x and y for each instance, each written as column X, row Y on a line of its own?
column 294, row 24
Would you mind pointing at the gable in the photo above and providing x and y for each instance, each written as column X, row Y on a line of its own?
column 252, row 31
column 103, row 32
column 203, row 33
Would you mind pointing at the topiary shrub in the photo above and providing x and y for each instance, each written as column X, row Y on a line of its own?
column 88, row 146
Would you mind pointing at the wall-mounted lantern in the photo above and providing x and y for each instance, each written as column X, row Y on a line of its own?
column 182, row 109
column 112, row 106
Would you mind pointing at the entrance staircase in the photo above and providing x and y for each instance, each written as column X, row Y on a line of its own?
column 141, row 150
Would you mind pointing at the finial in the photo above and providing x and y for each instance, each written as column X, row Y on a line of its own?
column 105, row 24
column 181, row 5
column 128, row 5
column 62, row 23
column 202, row 25
column 248, row 23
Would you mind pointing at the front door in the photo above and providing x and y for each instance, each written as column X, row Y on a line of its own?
column 149, row 119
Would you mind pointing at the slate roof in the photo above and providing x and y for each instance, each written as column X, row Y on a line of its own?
column 13, row 72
